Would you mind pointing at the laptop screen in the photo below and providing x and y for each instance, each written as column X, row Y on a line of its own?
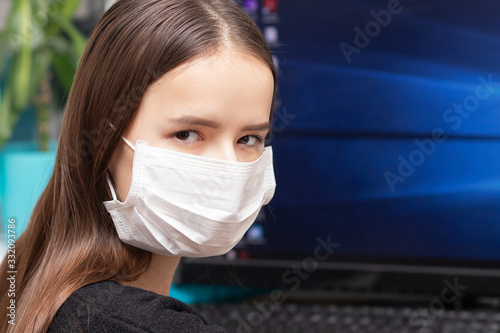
column 386, row 136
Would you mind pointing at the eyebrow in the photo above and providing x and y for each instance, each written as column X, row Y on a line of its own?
column 189, row 120
column 258, row 127
column 195, row 121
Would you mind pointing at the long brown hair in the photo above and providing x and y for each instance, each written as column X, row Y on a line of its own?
column 70, row 240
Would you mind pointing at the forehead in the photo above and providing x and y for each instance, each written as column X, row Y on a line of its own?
column 227, row 84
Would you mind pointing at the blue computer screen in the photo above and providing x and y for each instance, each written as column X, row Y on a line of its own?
column 387, row 128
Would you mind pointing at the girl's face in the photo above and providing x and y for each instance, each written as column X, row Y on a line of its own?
column 217, row 107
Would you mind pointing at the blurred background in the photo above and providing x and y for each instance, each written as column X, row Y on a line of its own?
column 41, row 44
column 386, row 140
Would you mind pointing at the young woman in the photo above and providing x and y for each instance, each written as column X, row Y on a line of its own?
column 161, row 155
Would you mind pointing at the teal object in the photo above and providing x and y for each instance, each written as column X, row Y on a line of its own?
column 196, row 294
column 24, row 173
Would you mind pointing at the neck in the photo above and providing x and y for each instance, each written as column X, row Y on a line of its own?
column 159, row 275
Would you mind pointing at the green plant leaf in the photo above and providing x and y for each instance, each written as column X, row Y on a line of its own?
column 8, row 115
column 78, row 40
column 64, row 70
column 68, row 8
column 5, row 114
column 39, row 36
column 44, row 56
column 20, row 73
column 4, row 52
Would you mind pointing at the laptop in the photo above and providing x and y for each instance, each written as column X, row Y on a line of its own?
column 386, row 140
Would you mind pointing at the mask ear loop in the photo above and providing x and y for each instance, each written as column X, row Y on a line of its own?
column 111, row 187
column 110, row 183
column 128, row 143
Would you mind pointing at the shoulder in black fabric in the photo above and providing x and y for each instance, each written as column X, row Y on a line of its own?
column 108, row 306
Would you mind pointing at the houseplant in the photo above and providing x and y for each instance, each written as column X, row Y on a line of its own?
column 39, row 40
column 38, row 58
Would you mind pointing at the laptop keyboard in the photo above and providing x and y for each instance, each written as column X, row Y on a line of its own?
column 297, row 317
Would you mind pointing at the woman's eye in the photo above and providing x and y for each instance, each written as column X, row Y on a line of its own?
column 250, row 140
column 187, row 136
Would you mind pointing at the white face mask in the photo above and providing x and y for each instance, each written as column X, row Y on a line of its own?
column 192, row 206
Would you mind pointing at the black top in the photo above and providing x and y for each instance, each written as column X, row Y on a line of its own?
column 108, row 306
